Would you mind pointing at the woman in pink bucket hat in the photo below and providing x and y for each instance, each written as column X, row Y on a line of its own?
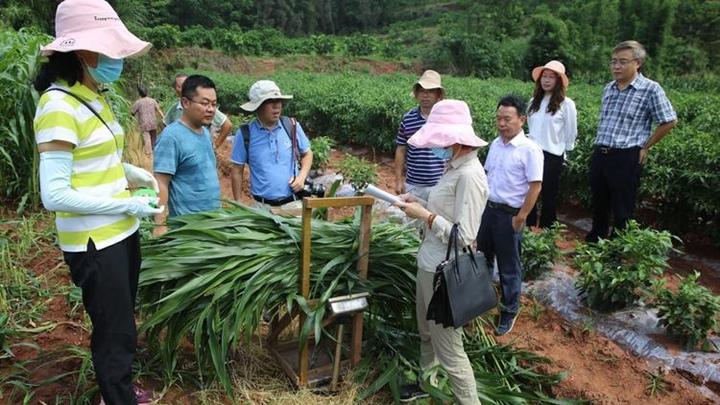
column 552, row 121
column 458, row 198
column 84, row 181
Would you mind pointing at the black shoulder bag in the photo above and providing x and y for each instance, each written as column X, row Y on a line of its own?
column 462, row 287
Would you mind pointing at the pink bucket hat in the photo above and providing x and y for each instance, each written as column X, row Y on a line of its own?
column 556, row 67
column 93, row 25
column 449, row 123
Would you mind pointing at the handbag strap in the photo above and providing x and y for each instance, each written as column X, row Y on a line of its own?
column 452, row 240
column 92, row 110
column 85, row 103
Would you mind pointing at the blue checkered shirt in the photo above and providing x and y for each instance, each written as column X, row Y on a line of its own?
column 626, row 115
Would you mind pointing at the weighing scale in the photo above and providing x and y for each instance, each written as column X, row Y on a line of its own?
column 294, row 357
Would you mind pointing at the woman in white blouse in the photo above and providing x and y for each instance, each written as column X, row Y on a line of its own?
column 552, row 121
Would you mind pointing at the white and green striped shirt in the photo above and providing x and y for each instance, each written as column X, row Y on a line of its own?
column 97, row 169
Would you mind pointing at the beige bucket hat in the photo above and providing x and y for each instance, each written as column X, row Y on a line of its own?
column 429, row 80
column 556, row 67
column 261, row 91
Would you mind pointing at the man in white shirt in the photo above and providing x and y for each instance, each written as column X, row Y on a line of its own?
column 514, row 167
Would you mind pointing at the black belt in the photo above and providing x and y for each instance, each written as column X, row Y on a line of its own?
column 275, row 203
column 503, row 207
column 605, row 150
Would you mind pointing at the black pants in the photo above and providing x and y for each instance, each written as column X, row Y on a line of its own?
column 109, row 279
column 552, row 167
column 497, row 238
column 614, row 181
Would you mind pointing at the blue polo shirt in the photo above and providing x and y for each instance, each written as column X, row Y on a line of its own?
column 271, row 159
column 190, row 159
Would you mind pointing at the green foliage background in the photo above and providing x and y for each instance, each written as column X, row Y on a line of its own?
column 468, row 37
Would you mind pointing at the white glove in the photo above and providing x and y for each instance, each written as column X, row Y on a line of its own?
column 140, row 206
column 139, row 177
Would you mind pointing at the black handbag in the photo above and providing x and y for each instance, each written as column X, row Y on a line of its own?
column 462, row 287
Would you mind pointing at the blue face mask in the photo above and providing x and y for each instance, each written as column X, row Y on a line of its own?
column 108, row 70
column 442, row 153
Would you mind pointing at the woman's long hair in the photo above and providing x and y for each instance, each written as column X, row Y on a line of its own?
column 557, row 97
column 60, row 66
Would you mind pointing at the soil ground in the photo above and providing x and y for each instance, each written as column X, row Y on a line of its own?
column 598, row 370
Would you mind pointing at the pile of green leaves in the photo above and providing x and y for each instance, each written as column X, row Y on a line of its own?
column 321, row 147
column 615, row 272
column 690, row 313
column 214, row 273
column 210, row 278
column 358, row 171
column 539, row 251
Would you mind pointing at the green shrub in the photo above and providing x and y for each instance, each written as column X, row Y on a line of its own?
column 234, row 43
column 688, row 314
column 162, row 36
column 615, row 272
column 198, row 36
column 358, row 171
column 322, row 44
column 360, row 45
column 321, row 147
column 539, row 251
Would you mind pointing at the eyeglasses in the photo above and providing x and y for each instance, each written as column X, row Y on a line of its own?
column 206, row 104
column 620, row 62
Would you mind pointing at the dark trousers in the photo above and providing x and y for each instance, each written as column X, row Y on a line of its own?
column 552, row 167
column 109, row 279
column 497, row 238
column 614, row 181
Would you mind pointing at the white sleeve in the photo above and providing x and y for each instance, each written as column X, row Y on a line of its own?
column 570, row 127
column 57, row 193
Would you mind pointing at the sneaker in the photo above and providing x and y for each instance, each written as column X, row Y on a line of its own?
column 411, row 392
column 143, row 397
column 505, row 324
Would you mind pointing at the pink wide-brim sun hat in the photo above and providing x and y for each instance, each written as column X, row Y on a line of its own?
column 556, row 67
column 449, row 123
column 93, row 25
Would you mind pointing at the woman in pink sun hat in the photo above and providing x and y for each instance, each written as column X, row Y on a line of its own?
column 552, row 121
column 83, row 180
column 458, row 198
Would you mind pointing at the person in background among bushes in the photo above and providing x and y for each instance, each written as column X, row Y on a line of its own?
column 146, row 110
column 184, row 163
column 514, row 167
column 630, row 105
column 83, row 179
column 278, row 163
column 552, row 121
column 220, row 126
column 458, row 198
column 420, row 168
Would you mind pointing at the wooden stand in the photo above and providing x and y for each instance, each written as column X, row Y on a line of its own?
column 292, row 356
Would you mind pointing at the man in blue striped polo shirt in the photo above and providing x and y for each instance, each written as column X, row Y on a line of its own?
column 631, row 104
column 419, row 167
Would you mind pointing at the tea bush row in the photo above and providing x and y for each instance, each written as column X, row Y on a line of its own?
column 265, row 41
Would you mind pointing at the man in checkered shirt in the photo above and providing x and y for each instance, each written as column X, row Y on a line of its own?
column 631, row 104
